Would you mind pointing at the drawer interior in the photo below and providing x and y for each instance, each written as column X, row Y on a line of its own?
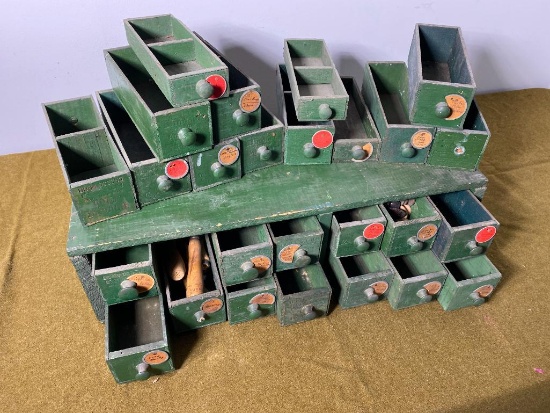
column 159, row 29
column 474, row 119
column 470, row 268
column 242, row 237
column 261, row 282
column 413, row 265
column 461, row 208
column 353, row 126
column 357, row 265
column 72, row 116
column 391, row 81
column 122, row 256
column 358, row 214
column 420, row 209
column 294, row 226
column 298, row 281
column 308, row 52
column 284, row 78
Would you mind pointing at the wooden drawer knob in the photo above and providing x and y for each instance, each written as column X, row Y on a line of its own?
column 254, row 310
column 371, row 295
column 309, row 312
column 474, row 248
column 424, row 296
column 358, row 153
column 142, row 371
column 187, row 136
column 442, row 110
column 310, row 151
column 164, row 183
column 218, row 170
column 128, row 290
column 325, row 112
column 264, row 152
column 204, row 89
column 200, row 316
column 249, row 271
column 476, row 298
column 241, row 118
column 407, row 150
column 361, row 244
column 415, row 244
column 301, row 259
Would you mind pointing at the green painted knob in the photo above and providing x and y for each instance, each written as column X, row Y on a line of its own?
column 187, row 136
column 249, row 271
column 200, row 316
column 309, row 312
column 358, row 153
column 325, row 112
column 424, row 296
column 128, row 290
column 301, row 259
column 407, row 151
column 218, row 170
column 476, row 298
column 142, row 371
column 474, row 248
column 241, row 118
column 415, row 244
column 164, row 183
column 361, row 244
column 310, row 151
column 204, row 89
column 442, row 110
column 264, row 152
column 254, row 310
column 371, row 295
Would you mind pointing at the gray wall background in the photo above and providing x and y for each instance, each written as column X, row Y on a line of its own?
column 53, row 50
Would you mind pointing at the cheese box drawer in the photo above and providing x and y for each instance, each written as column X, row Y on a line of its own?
column 471, row 282
column 407, row 233
column 297, row 242
column 356, row 138
column 364, row 279
column 170, row 132
column 302, row 294
column 357, row 231
column 467, row 227
column 461, row 148
column 153, row 180
column 194, row 301
column 125, row 274
column 305, row 142
column 98, row 180
column 183, row 67
column 418, row 279
column 216, row 166
column 317, row 90
column 441, row 83
column 243, row 254
column 250, row 300
column 136, row 343
column 385, row 92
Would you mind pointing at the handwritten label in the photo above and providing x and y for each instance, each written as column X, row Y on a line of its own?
column 484, row 291
column 261, row 263
column 228, row 155
column 322, row 139
column 250, row 101
column 426, row 232
column 144, row 282
column 380, row 287
column 263, row 298
column 176, row 169
column 433, row 287
column 212, row 305
column 486, row 234
column 373, row 231
column 287, row 253
column 421, row 139
column 458, row 106
column 156, row 357
column 219, row 85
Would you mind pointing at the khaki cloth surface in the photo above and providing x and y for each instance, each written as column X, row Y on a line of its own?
column 492, row 358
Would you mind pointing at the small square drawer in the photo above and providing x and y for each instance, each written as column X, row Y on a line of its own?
column 385, row 92
column 243, row 254
column 305, row 142
column 250, row 300
column 461, row 148
column 154, row 180
column 98, row 180
column 441, row 83
column 317, row 89
column 183, row 67
column 356, row 138
column 470, row 282
column 302, row 294
column 418, row 280
column 136, row 342
column 357, row 231
column 467, row 227
column 297, row 242
column 216, row 166
column 171, row 132
column 413, row 234
column 195, row 300
column 363, row 279
column 125, row 274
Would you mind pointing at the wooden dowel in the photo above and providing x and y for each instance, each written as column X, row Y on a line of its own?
column 175, row 265
column 194, row 285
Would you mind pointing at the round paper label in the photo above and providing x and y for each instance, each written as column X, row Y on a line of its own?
column 250, row 101
column 458, row 106
column 228, row 155
column 322, row 139
column 263, row 298
column 486, row 234
column 144, row 282
column 373, row 231
column 380, row 287
column 421, row 139
column 212, row 305
column 176, row 169
column 287, row 253
column 459, row 150
column 433, row 287
column 484, row 291
column 219, row 84
column 261, row 262
column 427, row 232
column 156, row 357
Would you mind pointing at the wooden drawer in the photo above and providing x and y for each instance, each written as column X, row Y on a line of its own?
column 302, row 294
column 356, row 231
column 317, row 90
column 418, row 279
column 363, row 279
column 250, row 300
column 125, row 274
column 98, row 180
column 461, row 148
column 305, row 142
column 470, row 282
column 441, row 83
column 385, row 92
column 136, row 343
column 170, row 132
column 243, row 254
column 216, row 166
column 356, row 138
column 153, row 180
column 189, row 313
column 467, row 227
column 297, row 242
column 184, row 69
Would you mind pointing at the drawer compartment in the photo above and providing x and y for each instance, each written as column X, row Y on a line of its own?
column 250, row 300
column 302, row 294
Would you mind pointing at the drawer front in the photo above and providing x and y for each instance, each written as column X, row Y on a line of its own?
column 356, row 150
column 308, row 145
column 199, row 312
column 127, row 369
column 407, row 144
column 153, row 183
column 251, row 302
column 262, row 148
column 409, row 292
column 115, row 288
column 457, row 150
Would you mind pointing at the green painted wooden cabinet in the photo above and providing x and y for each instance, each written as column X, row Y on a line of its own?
column 441, row 82
column 98, row 180
column 250, row 300
column 153, row 180
column 303, row 294
column 467, row 227
column 170, row 132
column 183, row 67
